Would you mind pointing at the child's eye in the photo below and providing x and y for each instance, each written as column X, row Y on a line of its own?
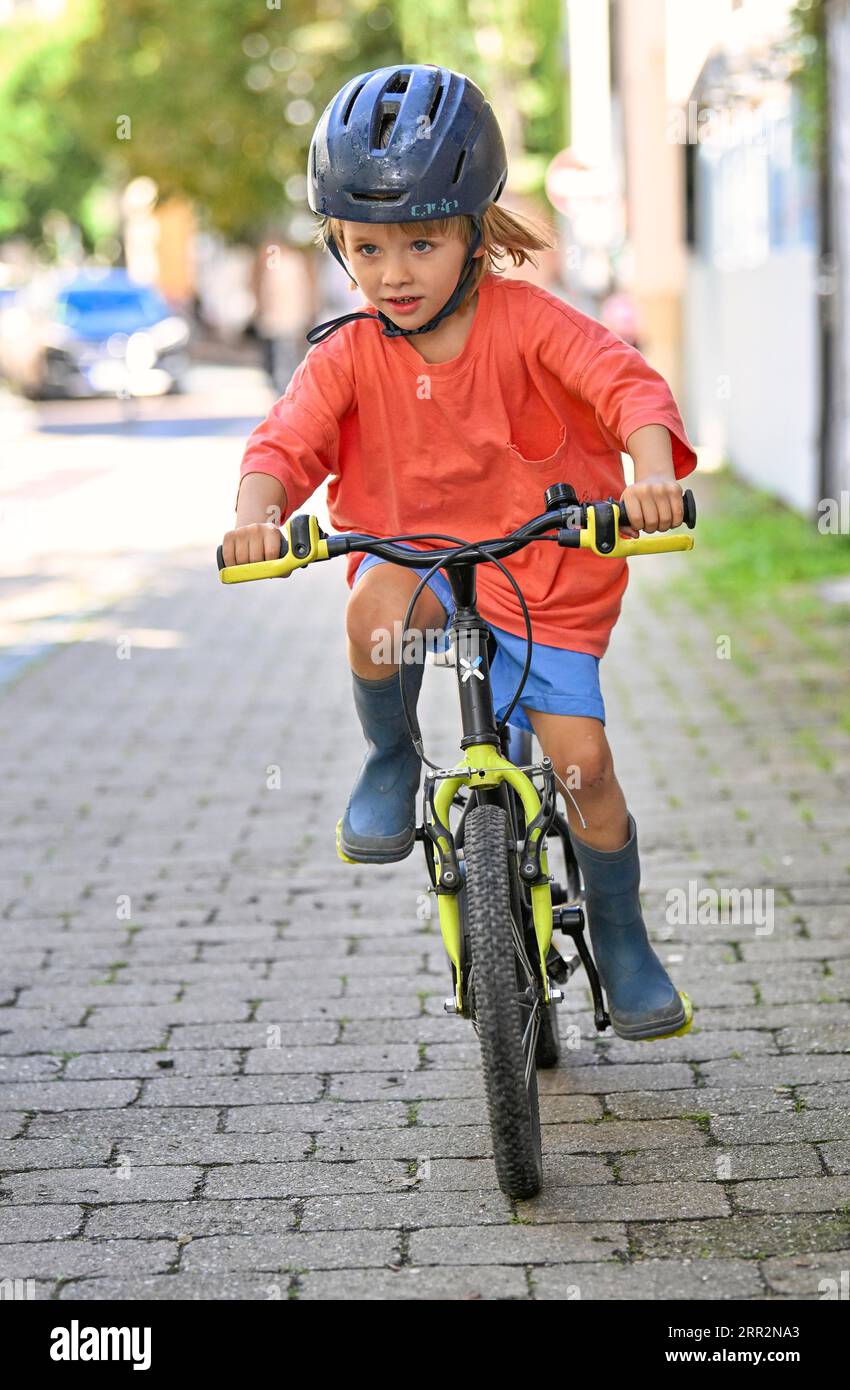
column 370, row 245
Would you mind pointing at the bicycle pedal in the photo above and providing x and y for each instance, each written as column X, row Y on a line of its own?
column 568, row 918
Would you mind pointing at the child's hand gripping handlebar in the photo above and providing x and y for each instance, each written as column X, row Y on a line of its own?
column 302, row 541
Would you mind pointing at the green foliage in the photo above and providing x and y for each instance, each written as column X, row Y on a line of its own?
column 218, row 101
column 807, row 47
column 751, row 548
column 511, row 50
column 45, row 163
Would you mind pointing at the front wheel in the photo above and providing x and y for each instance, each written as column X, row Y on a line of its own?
column 505, row 1002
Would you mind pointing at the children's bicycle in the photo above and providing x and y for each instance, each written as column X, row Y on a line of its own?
column 497, row 902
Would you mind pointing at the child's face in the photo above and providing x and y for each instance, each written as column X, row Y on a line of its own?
column 389, row 262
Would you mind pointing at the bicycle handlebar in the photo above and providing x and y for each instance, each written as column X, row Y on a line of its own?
column 303, row 541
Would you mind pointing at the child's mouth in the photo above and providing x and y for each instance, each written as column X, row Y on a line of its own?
column 406, row 305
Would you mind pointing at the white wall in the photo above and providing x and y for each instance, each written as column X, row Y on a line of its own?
column 751, row 370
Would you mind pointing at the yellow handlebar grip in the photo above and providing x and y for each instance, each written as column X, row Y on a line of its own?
column 641, row 545
column 283, row 567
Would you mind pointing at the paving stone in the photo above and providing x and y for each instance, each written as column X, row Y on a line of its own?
column 452, row 1284
column 123, row 1183
column 22, row 1223
column 404, row 1085
column 340, row 1058
column 649, row 1280
column 789, row 1070
column 18, row 1155
column 519, row 1244
column 723, row 1164
column 793, row 1127
column 327, row 1249
column 821, row 1276
column 321, row 1116
column 624, row 1202
column 212, row 1062
column 60, row 1259
column 836, row 1157
column 172, row 1288
column 201, row 1217
column 704, row 1100
column 818, row 1194
column 116, row 1124
column 306, row 1178
column 747, row 1237
column 415, row 1209
column 253, row 1035
column 238, row 1090
column 19, row 1041
column 67, row 1095
column 614, row 1136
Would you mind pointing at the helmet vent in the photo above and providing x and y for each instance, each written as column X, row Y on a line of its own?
column 459, row 166
column 435, row 103
column 385, row 129
column 398, row 82
column 386, row 196
column 355, row 94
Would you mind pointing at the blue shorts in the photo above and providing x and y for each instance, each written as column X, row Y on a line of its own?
column 559, row 681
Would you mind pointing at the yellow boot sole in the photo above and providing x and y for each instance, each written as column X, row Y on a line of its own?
column 680, row 1032
column 346, row 857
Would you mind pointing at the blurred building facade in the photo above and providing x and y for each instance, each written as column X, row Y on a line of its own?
column 715, row 229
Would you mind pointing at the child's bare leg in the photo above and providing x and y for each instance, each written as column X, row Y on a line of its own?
column 642, row 1000
column 582, row 758
column 378, row 601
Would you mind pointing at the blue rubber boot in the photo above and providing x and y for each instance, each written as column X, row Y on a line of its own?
column 379, row 825
column 642, row 1001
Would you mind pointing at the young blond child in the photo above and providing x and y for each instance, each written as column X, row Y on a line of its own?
column 453, row 414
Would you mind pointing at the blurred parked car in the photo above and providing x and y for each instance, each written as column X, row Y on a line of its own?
column 95, row 332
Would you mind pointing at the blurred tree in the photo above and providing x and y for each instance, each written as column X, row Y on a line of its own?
column 219, row 103
column 45, row 163
column 512, row 50
column 807, row 50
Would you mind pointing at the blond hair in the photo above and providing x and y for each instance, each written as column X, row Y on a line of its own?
column 503, row 233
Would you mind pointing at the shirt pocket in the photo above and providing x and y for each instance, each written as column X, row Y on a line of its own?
column 529, row 478
column 544, row 465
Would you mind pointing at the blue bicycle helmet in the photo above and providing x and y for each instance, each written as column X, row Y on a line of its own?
column 401, row 143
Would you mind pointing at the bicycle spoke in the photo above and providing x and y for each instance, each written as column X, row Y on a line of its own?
column 529, row 1061
column 531, row 1019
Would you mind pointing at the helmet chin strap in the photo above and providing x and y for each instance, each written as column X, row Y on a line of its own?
column 390, row 329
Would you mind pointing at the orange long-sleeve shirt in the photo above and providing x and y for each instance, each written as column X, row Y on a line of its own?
column 540, row 394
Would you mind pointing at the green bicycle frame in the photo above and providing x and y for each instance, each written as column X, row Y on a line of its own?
column 482, row 766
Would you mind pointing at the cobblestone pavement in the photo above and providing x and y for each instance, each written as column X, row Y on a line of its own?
column 227, row 1072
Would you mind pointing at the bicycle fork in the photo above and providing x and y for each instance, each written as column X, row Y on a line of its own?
column 483, row 766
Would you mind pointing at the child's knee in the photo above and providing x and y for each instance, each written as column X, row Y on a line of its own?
column 376, row 610
column 367, row 615
column 583, row 762
column 594, row 768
